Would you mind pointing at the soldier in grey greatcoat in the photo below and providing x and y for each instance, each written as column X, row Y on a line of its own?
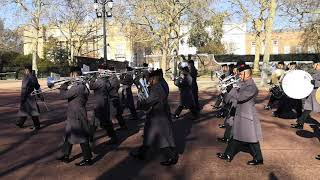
column 126, row 79
column 77, row 125
column 184, row 82
column 310, row 104
column 228, row 123
column 113, row 90
column 28, row 103
column 195, row 89
column 102, row 107
column 246, row 128
column 159, row 124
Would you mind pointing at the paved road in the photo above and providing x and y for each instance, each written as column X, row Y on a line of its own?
column 288, row 154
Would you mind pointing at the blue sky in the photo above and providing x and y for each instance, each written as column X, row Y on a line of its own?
column 13, row 18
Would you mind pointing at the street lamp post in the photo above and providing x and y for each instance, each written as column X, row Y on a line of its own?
column 104, row 12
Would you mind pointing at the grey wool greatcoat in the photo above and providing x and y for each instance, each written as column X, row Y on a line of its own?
column 102, row 105
column 77, row 126
column 159, row 124
column 230, row 97
column 310, row 103
column 28, row 103
column 114, row 86
column 165, row 85
column 185, row 87
column 126, row 95
column 194, row 75
column 246, row 125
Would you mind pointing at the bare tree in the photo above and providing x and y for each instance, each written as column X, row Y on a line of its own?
column 34, row 11
column 76, row 22
column 10, row 40
column 253, row 12
column 162, row 20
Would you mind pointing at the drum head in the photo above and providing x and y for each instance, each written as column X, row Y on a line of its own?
column 297, row 84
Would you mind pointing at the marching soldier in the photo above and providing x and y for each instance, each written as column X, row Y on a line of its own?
column 184, row 82
column 113, row 90
column 28, row 103
column 275, row 80
column 229, row 117
column 310, row 103
column 292, row 65
column 195, row 90
column 102, row 107
column 146, row 71
column 77, row 126
column 126, row 80
column 246, row 128
column 159, row 124
column 289, row 108
column 230, row 106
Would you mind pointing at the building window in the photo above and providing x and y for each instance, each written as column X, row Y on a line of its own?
column 120, row 50
column 287, row 50
column 253, row 44
column 275, row 50
column 311, row 49
column 253, row 50
column 275, row 43
column 182, row 42
column 299, row 49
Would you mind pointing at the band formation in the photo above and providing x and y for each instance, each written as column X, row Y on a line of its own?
column 294, row 94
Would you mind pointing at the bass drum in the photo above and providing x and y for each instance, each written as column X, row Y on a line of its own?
column 297, row 84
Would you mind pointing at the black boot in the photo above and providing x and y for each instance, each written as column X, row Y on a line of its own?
column 140, row 153
column 255, row 162
column 222, row 125
column 171, row 155
column 85, row 162
column 113, row 140
column 224, row 157
column 36, row 123
column 19, row 125
column 297, row 126
column 318, row 157
column 223, row 140
column 64, row 159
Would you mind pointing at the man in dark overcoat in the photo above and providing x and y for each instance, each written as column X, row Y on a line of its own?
column 158, row 127
column 102, row 107
column 28, row 102
column 246, row 128
column 126, row 79
column 195, row 90
column 310, row 104
column 184, row 82
column 113, row 91
column 77, row 125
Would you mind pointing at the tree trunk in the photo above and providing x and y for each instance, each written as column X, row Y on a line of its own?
column 268, row 39
column 258, row 28
column 165, row 53
column 35, row 51
column 164, row 56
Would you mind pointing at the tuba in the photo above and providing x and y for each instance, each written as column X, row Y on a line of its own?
column 231, row 80
column 142, row 86
column 276, row 78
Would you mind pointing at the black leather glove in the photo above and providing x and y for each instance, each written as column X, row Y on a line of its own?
column 41, row 97
column 64, row 86
column 313, row 82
